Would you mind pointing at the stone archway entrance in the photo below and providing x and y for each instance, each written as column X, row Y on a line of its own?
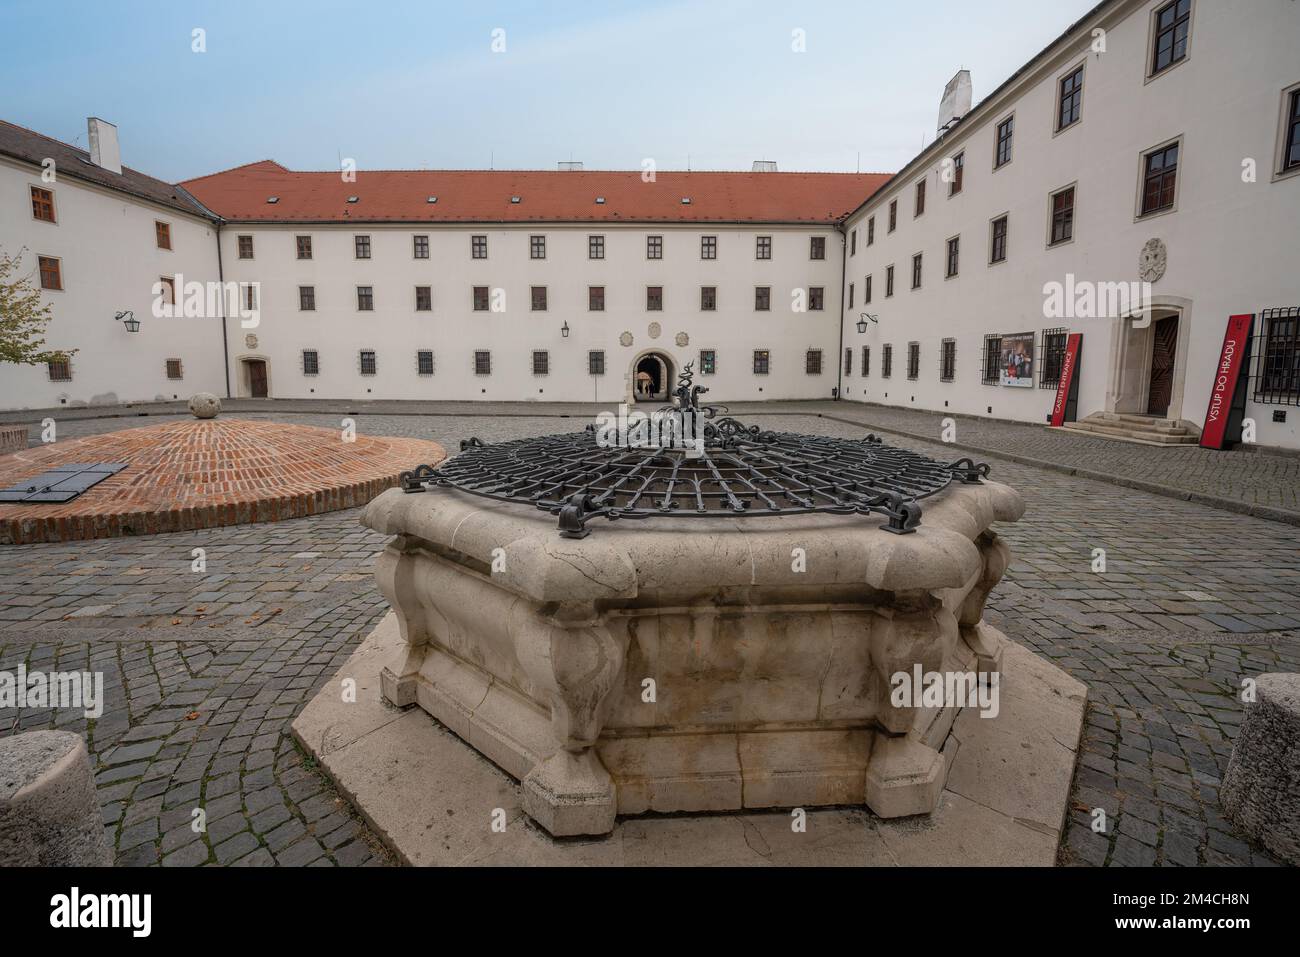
column 254, row 379
column 1149, row 361
column 652, row 377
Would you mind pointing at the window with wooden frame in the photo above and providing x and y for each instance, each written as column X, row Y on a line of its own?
column 762, row 361
column 1171, row 26
column 51, row 272
column 1062, row 227
column 596, row 362
column 851, row 291
column 913, row 360
column 708, row 298
column 420, row 247
column 541, row 362
column 889, row 281
column 893, row 215
column 304, row 247
column 423, row 298
column 1289, row 147
column 1069, row 99
column 538, row 298
column 596, row 298
column 916, row 271
column 369, row 364
column 991, row 374
column 482, row 362
column 174, row 369
column 1159, row 179
column 812, row 362
column 307, row 298
column 708, row 361
column 1054, row 341
column 168, row 289
column 43, row 204
column 866, row 291
column 59, row 370
column 365, row 298
column 1006, row 131
column 998, row 239
column 480, row 298
column 958, row 173
column 654, row 298
column 245, row 247
column 816, row 298
column 763, row 247
column 424, row 362
column 478, row 247
column 162, row 234
column 919, row 206
column 871, row 230
column 817, row 247
column 762, row 298
column 954, row 256
column 886, row 361
column 250, row 295
column 361, row 247
column 654, row 247
column 853, row 242
column 708, row 247
column 595, row 247
column 310, row 362
column 947, row 360
column 536, row 247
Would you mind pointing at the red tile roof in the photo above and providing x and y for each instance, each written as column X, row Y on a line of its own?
column 484, row 196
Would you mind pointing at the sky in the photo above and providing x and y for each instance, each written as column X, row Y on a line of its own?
column 417, row 84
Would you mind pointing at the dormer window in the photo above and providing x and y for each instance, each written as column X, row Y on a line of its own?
column 600, row 200
column 432, row 199
column 686, row 201
column 515, row 200
column 272, row 200
column 353, row 199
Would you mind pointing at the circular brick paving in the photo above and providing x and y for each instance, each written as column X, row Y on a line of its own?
column 203, row 474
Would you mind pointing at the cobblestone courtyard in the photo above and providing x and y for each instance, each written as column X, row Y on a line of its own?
column 204, row 671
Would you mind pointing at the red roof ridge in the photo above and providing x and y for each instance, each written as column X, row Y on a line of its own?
column 263, row 163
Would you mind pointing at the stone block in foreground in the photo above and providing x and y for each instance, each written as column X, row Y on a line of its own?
column 1261, row 789
column 49, row 813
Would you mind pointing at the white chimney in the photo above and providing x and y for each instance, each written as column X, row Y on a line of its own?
column 764, row 166
column 570, row 166
column 956, row 100
column 104, row 151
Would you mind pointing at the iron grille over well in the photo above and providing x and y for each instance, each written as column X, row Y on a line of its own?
column 737, row 470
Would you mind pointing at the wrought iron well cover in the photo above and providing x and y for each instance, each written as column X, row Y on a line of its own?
column 737, row 471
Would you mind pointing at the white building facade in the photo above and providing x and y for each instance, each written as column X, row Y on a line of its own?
column 1155, row 142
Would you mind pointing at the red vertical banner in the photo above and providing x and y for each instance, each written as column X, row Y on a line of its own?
column 1227, row 373
column 1068, row 383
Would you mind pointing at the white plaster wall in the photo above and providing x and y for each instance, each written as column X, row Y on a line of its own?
column 110, row 261
column 1231, row 245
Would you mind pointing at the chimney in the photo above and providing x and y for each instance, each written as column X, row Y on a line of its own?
column 570, row 166
column 956, row 101
column 764, row 166
column 104, row 150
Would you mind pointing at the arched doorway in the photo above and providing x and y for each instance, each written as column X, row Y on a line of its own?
column 652, row 377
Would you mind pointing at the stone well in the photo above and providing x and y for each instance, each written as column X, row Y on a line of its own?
column 727, row 643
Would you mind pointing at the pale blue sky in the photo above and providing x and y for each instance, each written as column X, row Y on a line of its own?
column 415, row 84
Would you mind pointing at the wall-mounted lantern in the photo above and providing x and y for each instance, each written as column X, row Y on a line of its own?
column 564, row 329
column 128, row 319
column 862, row 321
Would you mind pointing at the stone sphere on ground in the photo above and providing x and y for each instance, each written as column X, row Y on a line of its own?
column 205, row 405
column 49, row 811
column 1261, row 788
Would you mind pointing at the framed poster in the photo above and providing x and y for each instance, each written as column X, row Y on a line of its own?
column 1016, row 366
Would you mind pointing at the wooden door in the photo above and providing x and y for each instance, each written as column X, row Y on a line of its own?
column 1164, row 345
column 257, row 379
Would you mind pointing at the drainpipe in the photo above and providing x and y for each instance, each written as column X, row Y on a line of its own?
column 225, row 339
column 839, row 356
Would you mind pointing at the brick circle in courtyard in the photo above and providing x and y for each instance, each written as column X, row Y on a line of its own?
column 204, row 474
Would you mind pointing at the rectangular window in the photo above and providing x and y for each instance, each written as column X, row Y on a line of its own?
column 368, row 364
column 169, row 289
column 708, row 362
column 816, row 298
column 245, row 247
column 762, row 298
column 920, row 199
column 958, row 171
column 541, row 362
column 595, row 247
column 304, row 247
column 307, row 298
column 539, row 298
column 478, row 247
column 310, row 362
column 954, row 254
column 51, row 272
column 817, row 247
column 763, row 247
column 43, row 204
column 162, row 233
column 250, row 295
column 536, row 247
column 913, row 360
column 420, row 247
column 871, row 230
column 853, row 242
column 762, row 361
column 916, row 271
column 423, row 298
column 596, row 298
column 812, row 362
column 992, row 359
column 480, row 298
column 866, row 291
column 1006, row 133
column 654, row 247
column 850, row 306
column 1172, row 23
column 889, row 281
column 174, row 369
column 948, row 360
column 1278, row 378
column 866, row 361
column 1062, row 216
column 893, row 215
column 886, row 361
column 1053, row 357
column 998, row 240
column 654, row 298
column 1291, row 133
column 1071, row 99
column 708, row 247
column 362, row 246
column 708, row 298
column 848, row 361
column 482, row 362
column 424, row 362
column 365, row 298
column 596, row 362
column 1160, row 177
column 60, row 370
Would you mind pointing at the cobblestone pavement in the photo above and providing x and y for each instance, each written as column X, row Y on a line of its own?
column 204, row 671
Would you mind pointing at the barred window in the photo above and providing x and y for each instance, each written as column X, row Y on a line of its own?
column 596, row 298
column 948, row 360
column 310, row 362
column 362, row 247
column 480, row 298
column 424, row 362
column 848, row 361
column 482, row 362
column 817, row 247
column 478, row 247
column 708, row 361
column 866, row 361
column 913, row 360
column 423, row 298
column 763, row 247
column 816, row 298
column 596, row 362
column 654, row 298
column 245, row 247
column 595, row 247
column 536, row 247
column 539, row 298
column 708, row 247
column 60, row 370
column 304, row 247
column 708, row 298
column 886, row 361
column 812, row 362
column 762, row 298
column 654, row 247
column 1053, row 357
column 365, row 298
column 992, row 358
column 420, row 247
column 368, row 364
column 174, row 369
column 1278, row 378
column 762, row 361
column 541, row 362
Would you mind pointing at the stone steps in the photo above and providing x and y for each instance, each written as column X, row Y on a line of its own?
column 1145, row 429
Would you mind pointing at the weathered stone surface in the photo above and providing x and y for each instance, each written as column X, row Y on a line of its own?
column 204, row 405
column 49, row 813
column 1261, row 788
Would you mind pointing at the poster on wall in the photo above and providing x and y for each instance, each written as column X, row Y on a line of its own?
column 1017, row 364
